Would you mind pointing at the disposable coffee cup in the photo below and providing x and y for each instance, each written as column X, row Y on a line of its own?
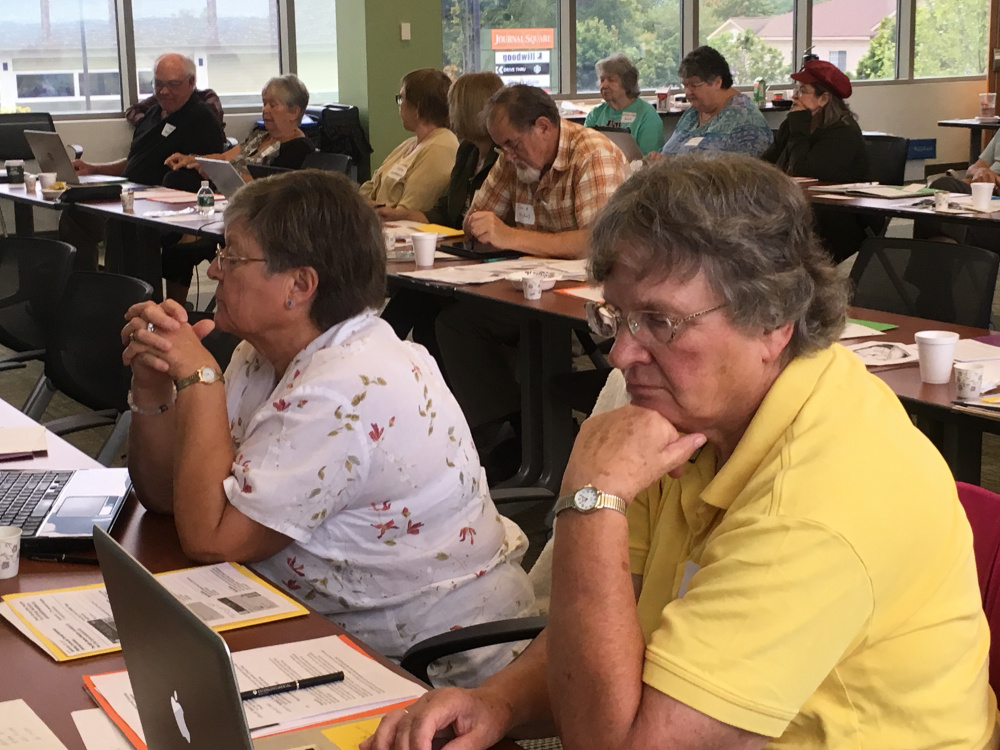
column 10, row 550
column 982, row 195
column 988, row 105
column 936, row 350
column 532, row 286
column 128, row 201
column 30, row 182
column 968, row 380
column 47, row 179
column 389, row 237
column 940, row 201
column 15, row 171
column 424, row 245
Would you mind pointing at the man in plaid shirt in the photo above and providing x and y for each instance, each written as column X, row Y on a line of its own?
column 540, row 198
column 552, row 178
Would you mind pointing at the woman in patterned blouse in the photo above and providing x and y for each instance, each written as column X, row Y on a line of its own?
column 332, row 455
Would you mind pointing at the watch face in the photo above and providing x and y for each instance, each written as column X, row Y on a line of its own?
column 586, row 499
column 208, row 375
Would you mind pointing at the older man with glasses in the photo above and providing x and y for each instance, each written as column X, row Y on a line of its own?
column 177, row 122
column 761, row 549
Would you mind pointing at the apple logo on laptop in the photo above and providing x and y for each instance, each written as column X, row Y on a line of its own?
column 179, row 717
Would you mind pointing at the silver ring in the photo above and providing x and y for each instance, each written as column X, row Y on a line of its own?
column 131, row 336
column 150, row 327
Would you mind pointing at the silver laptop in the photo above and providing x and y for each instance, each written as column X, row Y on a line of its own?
column 180, row 669
column 57, row 510
column 624, row 140
column 50, row 153
column 226, row 178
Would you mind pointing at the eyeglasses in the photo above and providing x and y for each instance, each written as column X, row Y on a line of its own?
column 693, row 86
column 800, row 90
column 605, row 320
column 228, row 262
column 399, row 99
column 511, row 147
column 174, row 84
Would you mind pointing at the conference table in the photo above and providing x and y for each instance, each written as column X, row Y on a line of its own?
column 53, row 689
column 976, row 128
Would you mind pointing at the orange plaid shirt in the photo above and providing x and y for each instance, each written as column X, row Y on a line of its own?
column 588, row 168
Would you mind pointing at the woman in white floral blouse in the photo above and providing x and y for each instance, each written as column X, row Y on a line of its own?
column 334, row 456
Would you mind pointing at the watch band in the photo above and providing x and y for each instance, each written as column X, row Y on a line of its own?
column 204, row 374
column 588, row 499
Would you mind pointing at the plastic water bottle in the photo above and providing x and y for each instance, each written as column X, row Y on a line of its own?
column 206, row 199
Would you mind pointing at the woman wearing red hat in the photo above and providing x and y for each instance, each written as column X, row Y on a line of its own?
column 820, row 137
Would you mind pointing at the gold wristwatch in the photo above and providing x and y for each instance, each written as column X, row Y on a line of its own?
column 204, row 374
column 589, row 499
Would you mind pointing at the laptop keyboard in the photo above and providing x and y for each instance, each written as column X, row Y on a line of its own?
column 26, row 496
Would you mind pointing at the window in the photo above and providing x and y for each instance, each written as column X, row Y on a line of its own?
column 518, row 39
column 951, row 38
column 316, row 49
column 647, row 31
column 861, row 35
column 839, row 58
column 59, row 56
column 755, row 37
column 234, row 43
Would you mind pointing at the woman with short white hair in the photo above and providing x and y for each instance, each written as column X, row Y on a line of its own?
column 622, row 107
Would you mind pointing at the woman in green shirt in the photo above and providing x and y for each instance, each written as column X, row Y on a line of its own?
column 622, row 107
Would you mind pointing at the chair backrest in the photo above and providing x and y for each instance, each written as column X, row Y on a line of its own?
column 83, row 359
column 33, row 276
column 341, row 132
column 983, row 509
column 887, row 158
column 331, row 162
column 933, row 280
column 13, row 144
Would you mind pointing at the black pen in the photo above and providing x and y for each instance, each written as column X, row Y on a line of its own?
column 287, row 687
column 64, row 558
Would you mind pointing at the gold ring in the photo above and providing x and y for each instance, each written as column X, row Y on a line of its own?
column 151, row 328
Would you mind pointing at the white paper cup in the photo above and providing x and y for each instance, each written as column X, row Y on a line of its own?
column 30, row 181
column 424, row 244
column 10, row 550
column 940, row 201
column 936, row 350
column 128, row 201
column 968, row 380
column 389, row 237
column 532, row 286
column 47, row 179
column 982, row 195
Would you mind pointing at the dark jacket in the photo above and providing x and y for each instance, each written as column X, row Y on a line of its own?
column 835, row 153
column 464, row 182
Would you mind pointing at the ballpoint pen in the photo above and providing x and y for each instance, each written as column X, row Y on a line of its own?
column 287, row 687
column 76, row 560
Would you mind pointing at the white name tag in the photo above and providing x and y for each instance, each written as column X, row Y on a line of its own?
column 693, row 141
column 524, row 213
column 167, row 129
column 690, row 568
column 398, row 172
column 628, row 117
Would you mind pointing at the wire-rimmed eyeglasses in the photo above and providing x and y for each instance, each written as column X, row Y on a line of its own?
column 605, row 320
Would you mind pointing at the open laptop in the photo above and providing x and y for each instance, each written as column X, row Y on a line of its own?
column 260, row 171
column 623, row 139
column 50, row 153
column 226, row 178
column 180, row 669
column 58, row 510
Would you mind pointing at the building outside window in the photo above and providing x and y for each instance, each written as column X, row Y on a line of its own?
column 951, row 38
column 755, row 37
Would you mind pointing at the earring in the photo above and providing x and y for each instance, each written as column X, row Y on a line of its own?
column 288, row 304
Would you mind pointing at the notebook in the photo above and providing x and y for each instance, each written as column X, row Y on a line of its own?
column 50, row 153
column 224, row 175
column 180, row 669
column 57, row 510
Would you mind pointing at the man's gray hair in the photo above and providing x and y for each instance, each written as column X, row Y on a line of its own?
column 290, row 91
column 619, row 65
column 741, row 221
column 186, row 62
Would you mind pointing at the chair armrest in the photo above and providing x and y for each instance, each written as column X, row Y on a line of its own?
column 78, row 422
column 419, row 656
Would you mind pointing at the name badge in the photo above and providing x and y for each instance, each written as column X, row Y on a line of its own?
column 690, row 568
column 398, row 172
column 692, row 142
column 628, row 117
column 524, row 213
column 167, row 129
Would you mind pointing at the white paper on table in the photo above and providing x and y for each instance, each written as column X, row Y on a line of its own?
column 483, row 273
column 881, row 353
column 856, row 331
column 366, row 685
column 20, row 727
column 967, row 350
column 77, row 622
column 98, row 732
column 965, row 201
column 8, row 614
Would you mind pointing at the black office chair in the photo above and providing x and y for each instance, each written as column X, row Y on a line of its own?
column 887, row 158
column 933, row 280
column 33, row 276
column 331, row 162
column 83, row 358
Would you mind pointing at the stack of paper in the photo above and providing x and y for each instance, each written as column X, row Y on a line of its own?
column 21, row 728
column 77, row 622
column 367, row 687
column 24, row 442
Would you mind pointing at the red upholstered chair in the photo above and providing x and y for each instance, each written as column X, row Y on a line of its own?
column 983, row 509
